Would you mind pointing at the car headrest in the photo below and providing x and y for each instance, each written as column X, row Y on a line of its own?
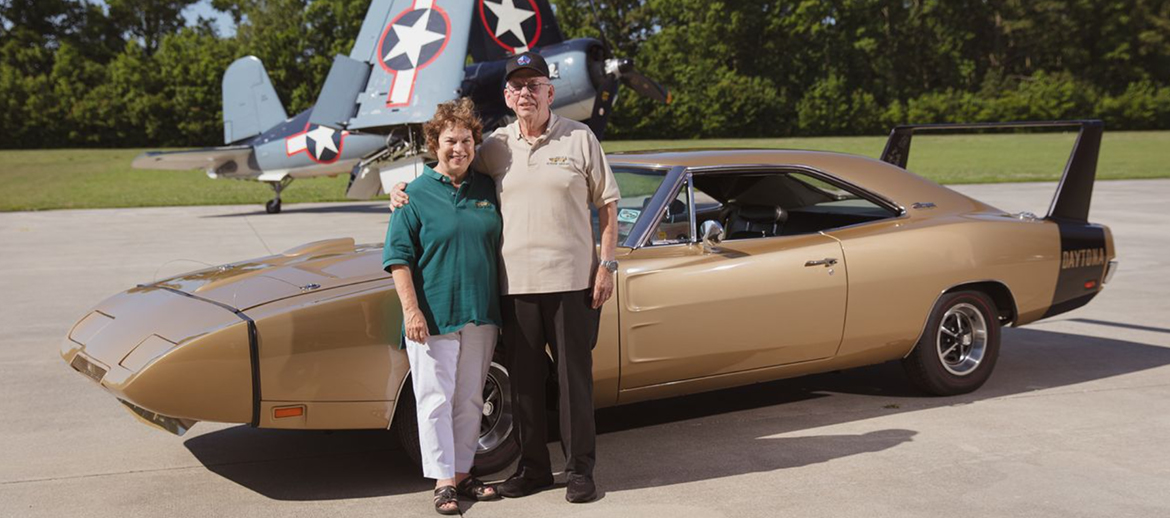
column 762, row 213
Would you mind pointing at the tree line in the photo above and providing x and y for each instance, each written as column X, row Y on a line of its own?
column 133, row 73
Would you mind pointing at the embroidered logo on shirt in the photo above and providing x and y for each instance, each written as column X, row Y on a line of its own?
column 560, row 161
column 484, row 205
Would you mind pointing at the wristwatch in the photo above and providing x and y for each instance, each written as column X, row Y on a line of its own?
column 610, row 265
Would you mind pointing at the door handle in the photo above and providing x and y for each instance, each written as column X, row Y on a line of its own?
column 827, row 262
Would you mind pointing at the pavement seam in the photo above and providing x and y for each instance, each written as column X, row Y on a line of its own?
column 257, row 232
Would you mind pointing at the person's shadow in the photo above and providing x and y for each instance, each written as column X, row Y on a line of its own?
column 756, row 428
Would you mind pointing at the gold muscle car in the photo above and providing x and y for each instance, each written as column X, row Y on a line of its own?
column 736, row 266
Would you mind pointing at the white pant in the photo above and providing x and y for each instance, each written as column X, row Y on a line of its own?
column 448, row 372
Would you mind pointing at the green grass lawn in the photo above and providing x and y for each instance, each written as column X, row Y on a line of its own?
column 96, row 178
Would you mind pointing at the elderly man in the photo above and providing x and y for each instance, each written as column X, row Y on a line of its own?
column 548, row 171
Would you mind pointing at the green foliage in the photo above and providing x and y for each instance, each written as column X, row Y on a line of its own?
column 73, row 74
column 813, row 67
column 149, row 20
column 1141, row 106
column 190, row 94
column 830, row 108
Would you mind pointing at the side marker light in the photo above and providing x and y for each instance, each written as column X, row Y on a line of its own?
column 294, row 411
column 1090, row 285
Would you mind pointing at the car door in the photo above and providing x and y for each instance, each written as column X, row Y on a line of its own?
column 688, row 312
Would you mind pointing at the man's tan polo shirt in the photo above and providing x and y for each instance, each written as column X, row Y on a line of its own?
column 545, row 192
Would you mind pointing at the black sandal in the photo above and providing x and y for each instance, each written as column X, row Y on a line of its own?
column 475, row 489
column 444, row 496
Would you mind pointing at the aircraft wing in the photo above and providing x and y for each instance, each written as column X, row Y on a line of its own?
column 414, row 51
column 206, row 158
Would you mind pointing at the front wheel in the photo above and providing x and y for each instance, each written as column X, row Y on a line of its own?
column 497, row 442
column 958, row 349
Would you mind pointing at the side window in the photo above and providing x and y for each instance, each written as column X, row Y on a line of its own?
column 674, row 226
column 782, row 203
column 637, row 185
column 833, row 207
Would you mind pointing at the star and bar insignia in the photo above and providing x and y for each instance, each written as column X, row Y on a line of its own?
column 512, row 24
column 409, row 43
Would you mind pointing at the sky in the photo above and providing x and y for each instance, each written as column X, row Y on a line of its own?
column 203, row 8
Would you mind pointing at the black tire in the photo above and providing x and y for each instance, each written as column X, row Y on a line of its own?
column 498, row 443
column 958, row 348
column 406, row 425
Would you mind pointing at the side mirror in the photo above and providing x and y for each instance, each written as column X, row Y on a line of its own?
column 711, row 233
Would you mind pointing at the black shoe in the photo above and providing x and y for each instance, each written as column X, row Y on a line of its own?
column 519, row 485
column 580, row 489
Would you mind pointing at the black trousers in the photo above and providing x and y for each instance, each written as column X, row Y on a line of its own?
column 567, row 323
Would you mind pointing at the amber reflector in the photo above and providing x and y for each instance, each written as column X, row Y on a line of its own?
column 1090, row 285
column 295, row 411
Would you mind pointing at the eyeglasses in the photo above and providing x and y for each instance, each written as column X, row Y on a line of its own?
column 532, row 86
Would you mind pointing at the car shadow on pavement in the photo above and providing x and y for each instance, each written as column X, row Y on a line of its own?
column 310, row 465
column 759, row 428
column 685, row 439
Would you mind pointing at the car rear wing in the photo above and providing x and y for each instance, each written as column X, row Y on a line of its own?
column 1075, row 190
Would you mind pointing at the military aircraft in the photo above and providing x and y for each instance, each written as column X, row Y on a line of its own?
column 409, row 56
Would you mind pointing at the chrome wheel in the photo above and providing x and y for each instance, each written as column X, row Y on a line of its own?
column 962, row 339
column 496, row 425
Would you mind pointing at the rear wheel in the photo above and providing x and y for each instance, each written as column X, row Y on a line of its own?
column 959, row 347
column 497, row 442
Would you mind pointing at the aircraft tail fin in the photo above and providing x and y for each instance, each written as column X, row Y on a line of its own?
column 250, row 104
column 529, row 29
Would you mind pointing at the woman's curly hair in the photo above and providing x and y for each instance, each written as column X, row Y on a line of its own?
column 459, row 113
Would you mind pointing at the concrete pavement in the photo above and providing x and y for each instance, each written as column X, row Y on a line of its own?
column 1073, row 422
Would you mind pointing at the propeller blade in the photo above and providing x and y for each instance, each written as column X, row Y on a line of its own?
column 603, row 105
column 600, row 32
column 646, row 86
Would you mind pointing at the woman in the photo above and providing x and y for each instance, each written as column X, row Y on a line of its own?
column 443, row 255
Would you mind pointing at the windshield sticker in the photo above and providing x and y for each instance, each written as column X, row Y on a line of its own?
column 628, row 215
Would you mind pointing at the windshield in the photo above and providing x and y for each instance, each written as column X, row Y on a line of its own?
column 637, row 185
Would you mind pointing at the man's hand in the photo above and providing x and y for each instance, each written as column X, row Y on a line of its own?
column 602, row 287
column 398, row 196
column 416, row 325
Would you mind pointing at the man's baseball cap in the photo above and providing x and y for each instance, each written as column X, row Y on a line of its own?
column 529, row 60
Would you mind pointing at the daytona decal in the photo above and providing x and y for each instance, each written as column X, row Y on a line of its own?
column 1082, row 258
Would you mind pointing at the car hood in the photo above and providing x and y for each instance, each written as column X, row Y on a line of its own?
column 316, row 266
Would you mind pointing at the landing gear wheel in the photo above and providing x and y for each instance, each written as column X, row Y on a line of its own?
column 273, row 205
column 497, row 442
column 958, row 349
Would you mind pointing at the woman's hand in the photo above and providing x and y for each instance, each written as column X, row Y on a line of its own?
column 415, row 325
